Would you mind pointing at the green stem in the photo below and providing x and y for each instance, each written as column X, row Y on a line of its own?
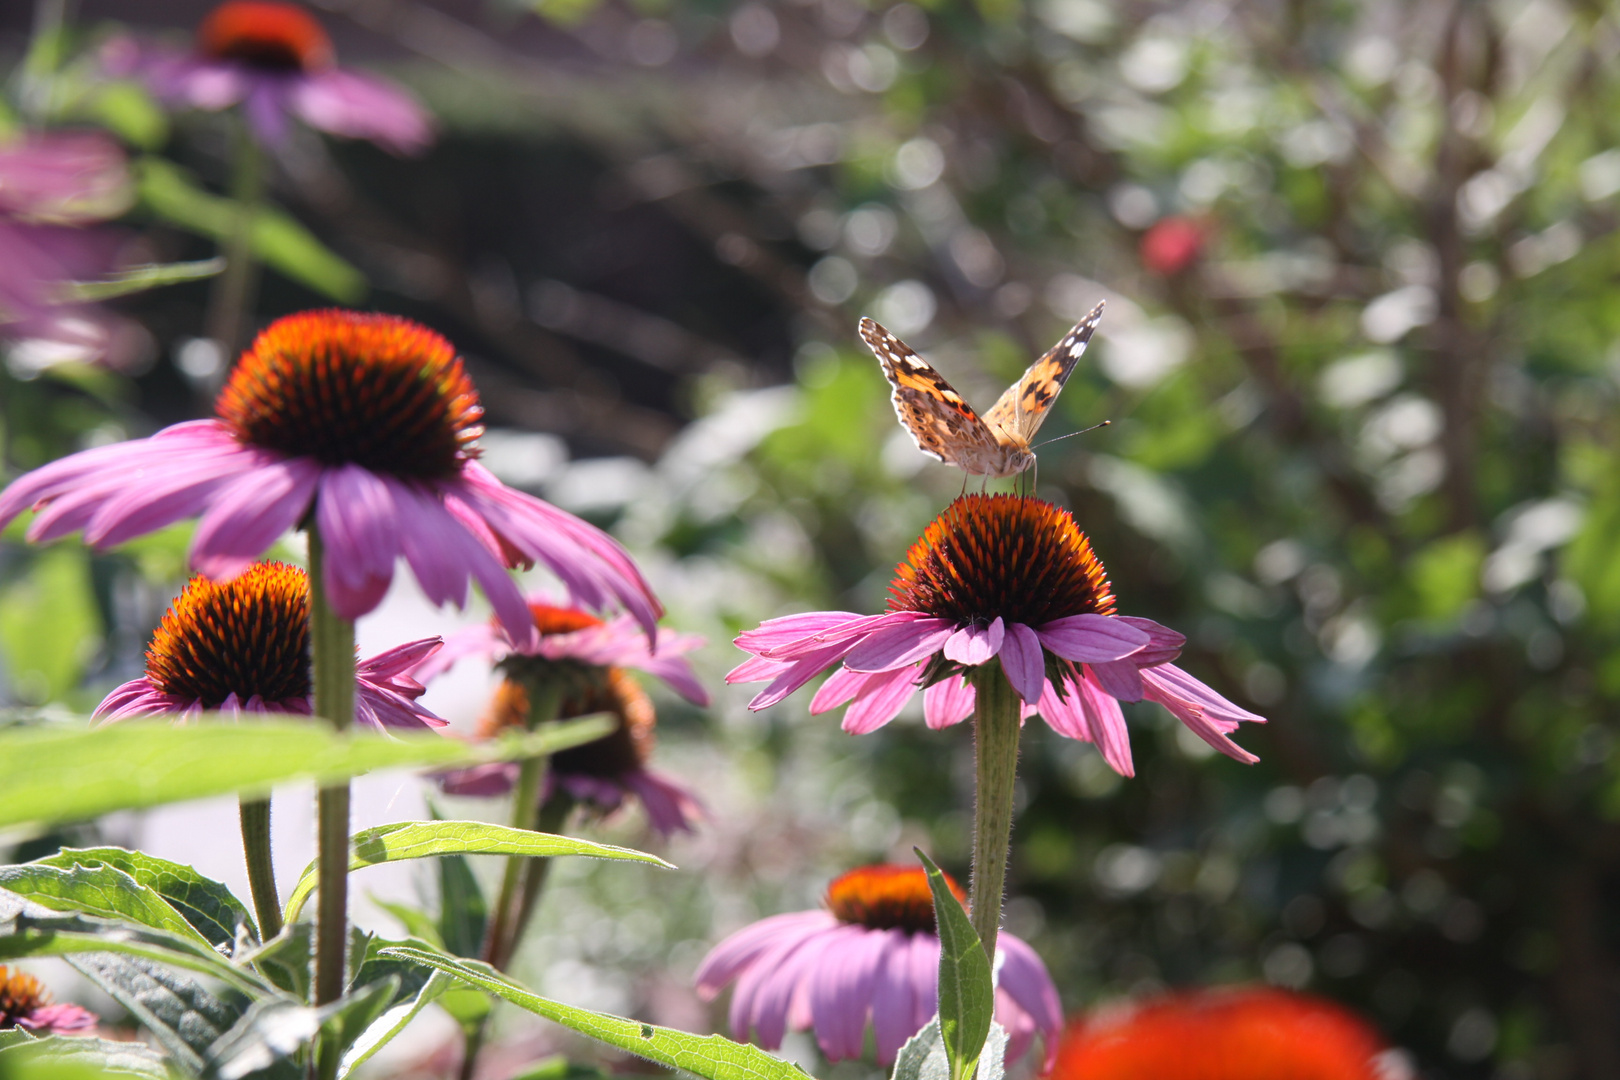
column 332, row 643
column 233, row 290
column 552, row 815
column 261, row 869
column 995, row 749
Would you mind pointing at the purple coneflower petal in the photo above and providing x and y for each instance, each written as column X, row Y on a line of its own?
column 840, row 688
column 1163, row 646
column 949, row 701
column 785, row 629
column 1024, row 979
column 975, row 645
column 766, row 991
column 678, row 674
column 481, row 781
column 846, row 632
column 880, row 700
column 924, row 979
column 899, row 646
column 60, row 1019
column 360, row 527
column 1092, row 638
column 1023, row 662
column 249, row 513
column 756, row 669
column 1120, row 679
column 737, row 951
column 266, row 107
column 480, row 639
column 841, row 991
column 670, row 807
column 1204, row 712
column 795, row 675
column 894, row 998
column 361, row 107
column 401, row 660
column 1105, row 724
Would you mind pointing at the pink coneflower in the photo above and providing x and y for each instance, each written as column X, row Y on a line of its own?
column 51, row 187
column 1249, row 1033
column 363, row 425
column 871, row 956
column 276, row 61
column 25, row 1004
column 243, row 647
column 583, row 659
column 993, row 577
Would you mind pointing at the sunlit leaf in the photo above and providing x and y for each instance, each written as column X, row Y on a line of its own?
column 967, row 992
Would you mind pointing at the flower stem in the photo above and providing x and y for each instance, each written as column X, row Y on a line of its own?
column 332, row 642
column 233, row 292
column 500, row 940
column 261, row 869
column 552, row 815
column 995, row 748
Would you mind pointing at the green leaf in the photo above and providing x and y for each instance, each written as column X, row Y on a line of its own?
column 463, row 911
column 417, row 923
column 284, row 959
column 708, row 1056
column 141, row 278
column 66, row 1057
column 421, row 839
column 466, row 1006
column 392, row 1022
column 65, row 772
column 208, row 906
column 183, row 1015
column 25, row 935
column 104, row 891
column 167, row 191
column 272, row 1031
column 48, row 624
column 924, row 1058
column 967, row 991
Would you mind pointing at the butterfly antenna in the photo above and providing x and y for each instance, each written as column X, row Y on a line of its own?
column 1072, row 434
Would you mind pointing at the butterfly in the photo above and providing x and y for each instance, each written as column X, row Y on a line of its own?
column 946, row 427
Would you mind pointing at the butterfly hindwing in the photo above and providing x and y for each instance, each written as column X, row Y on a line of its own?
column 943, row 425
column 1023, row 406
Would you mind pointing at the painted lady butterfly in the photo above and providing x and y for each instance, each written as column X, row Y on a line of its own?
column 944, row 425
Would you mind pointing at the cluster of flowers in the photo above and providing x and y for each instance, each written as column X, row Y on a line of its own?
column 362, row 429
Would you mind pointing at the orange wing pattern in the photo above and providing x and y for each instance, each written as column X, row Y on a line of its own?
column 944, row 426
column 1024, row 405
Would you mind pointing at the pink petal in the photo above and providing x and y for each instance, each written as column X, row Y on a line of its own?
column 1120, row 679
column 894, row 997
column 1106, row 724
column 670, row 807
column 401, row 659
column 362, row 107
column 773, row 633
column 737, row 951
column 360, row 528
column 250, row 514
column 841, row 991
column 857, row 627
column 1163, row 646
column 947, row 702
column 1092, row 638
column 1021, row 659
column 842, row 686
column 975, row 645
column 1188, row 701
column 477, row 640
column 756, row 669
column 880, row 701
column 899, row 646
column 1026, row 981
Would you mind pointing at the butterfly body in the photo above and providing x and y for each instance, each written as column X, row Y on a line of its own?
column 945, row 427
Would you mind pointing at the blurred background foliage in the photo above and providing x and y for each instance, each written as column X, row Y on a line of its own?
column 1361, row 358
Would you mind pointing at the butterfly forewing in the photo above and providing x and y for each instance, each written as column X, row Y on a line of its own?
column 942, row 424
column 1023, row 406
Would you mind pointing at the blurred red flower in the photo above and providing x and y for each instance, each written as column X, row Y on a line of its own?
column 1171, row 245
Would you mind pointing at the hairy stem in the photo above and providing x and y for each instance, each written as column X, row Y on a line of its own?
column 995, row 748
column 260, row 867
column 333, row 649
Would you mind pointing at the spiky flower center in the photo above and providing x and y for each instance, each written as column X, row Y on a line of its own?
column 21, row 995
column 344, row 387
column 1010, row 557
column 267, row 35
column 885, row 897
column 246, row 637
column 585, row 690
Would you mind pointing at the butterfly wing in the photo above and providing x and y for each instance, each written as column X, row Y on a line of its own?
column 943, row 425
column 1021, row 409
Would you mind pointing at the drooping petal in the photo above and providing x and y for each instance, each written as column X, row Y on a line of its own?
column 924, row 978
column 975, row 645
column 1204, row 712
column 1021, row 659
column 727, row 960
column 670, row 807
column 894, row 997
column 1164, row 644
column 1092, row 638
column 949, row 701
column 779, row 979
column 1105, row 722
column 841, row 991
column 266, row 108
column 362, row 107
column 250, row 513
column 487, row 780
column 1025, row 980
column 360, row 528
column 1120, row 679
column 839, row 689
column 785, row 629
column 880, row 701
column 856, row 628
column 795, row 674
column 756, row 669
column 899, row 646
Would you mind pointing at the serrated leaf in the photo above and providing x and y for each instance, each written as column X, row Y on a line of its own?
column 967, row 991
column 184, row 1016
column 66, row 1057
column 103, row 891
column 67, row 772
column 923, row 1057
column 140, row 278
column 710, row 1056
column 421, row 839
column 207, row 905
column 72, row 935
